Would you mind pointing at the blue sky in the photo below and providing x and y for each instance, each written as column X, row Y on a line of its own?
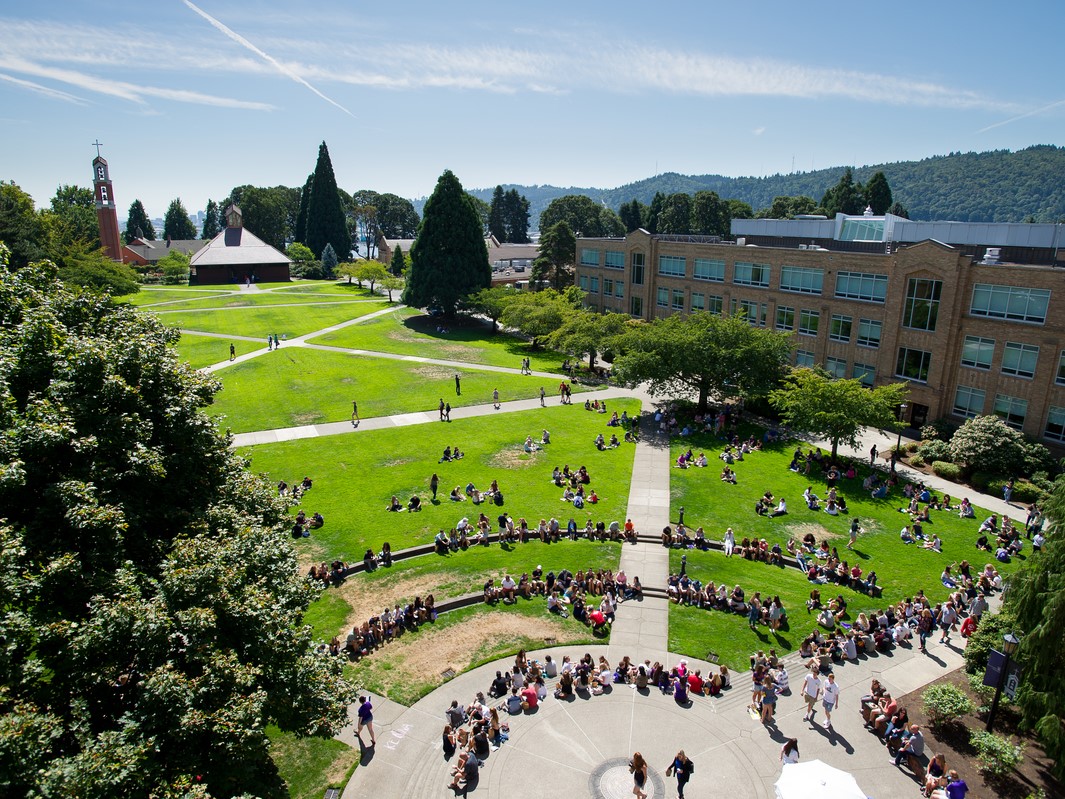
column 192, row 99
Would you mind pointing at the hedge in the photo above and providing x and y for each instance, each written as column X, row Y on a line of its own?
column 948, row 471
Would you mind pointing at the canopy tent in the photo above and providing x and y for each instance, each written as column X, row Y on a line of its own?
column 816, row 780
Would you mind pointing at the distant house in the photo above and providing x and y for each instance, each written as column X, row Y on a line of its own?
column 236, row 255
column 500, row 256
column 142, row 252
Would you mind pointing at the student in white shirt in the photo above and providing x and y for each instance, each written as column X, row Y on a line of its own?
column 830, row 694
column 811, row 689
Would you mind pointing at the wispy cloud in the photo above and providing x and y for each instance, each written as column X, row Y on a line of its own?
column 758, row 131
column 284, row 70
column 1019, row 117
column 55, row 94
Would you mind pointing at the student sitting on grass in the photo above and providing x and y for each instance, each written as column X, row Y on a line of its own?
column 394, row 505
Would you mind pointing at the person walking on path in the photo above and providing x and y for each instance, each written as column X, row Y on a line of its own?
column 1007, row 491
column 355, row 413
column 830, row 694
column 365, row 719
column 434, row 483
column 638, row 767
column 682, row 767
column 232, row 352
column 855, row 527
column 542, row 395
column 872, row 455
column 495, row 398
column 441, row 409
column 811, row 690
column 270, row 342
column 447, row 412
column 458, row 386
column 789, row 752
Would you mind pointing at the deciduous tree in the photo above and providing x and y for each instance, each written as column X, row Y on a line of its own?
column 175, row 267
column 490, row 302
column 710, row 216
column 449, row 258
column 539, row 314
column 676, row 214
column 20, row 227
column 587, row 333
column 396, row 217
column 392, row 284
column 371, row 272
column 176, row 223
column 584, row 216
column 812, row 401
column 74, row 208
column 138, row 221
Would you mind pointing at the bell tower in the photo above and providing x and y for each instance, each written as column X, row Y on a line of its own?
column 106, row 210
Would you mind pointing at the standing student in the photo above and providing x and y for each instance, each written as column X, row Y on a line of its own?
column 495, row 398
column 458, row 386
column 682, row 767
column 854, row 532
column 354, row 411
column 447, row 412
column 872, row 454
column 542, row 395
column 441, row 409
column 811, row 690
column 830, row 698
column 365, row 719
column 638, row 767
column 232, row 352
column 434, row 483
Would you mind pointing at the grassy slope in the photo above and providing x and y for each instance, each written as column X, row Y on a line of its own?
column 264, row 320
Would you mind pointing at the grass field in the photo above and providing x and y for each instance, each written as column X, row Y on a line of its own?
column 149, row 296
column 201, row 351
column 410, row 332
column 310, row 765
column 258, row 299
column 354, row 476
column 261, row 321
column 296, row 386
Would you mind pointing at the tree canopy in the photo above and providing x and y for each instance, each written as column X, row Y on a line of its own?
column 20, row 226
column 538, row 314
column 449, row 258
column 584, row 216
column 326, row 220
column 73, row 210
column 705, row 355
column 269, row 213
column 497, row 221
column 490, row 302
column 587, row 333
column 812, row 401
column 138, row 220
column 152, row 608
column 176, row 222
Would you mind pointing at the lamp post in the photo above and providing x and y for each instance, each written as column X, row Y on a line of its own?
column 1010, row 643
column 898, row 441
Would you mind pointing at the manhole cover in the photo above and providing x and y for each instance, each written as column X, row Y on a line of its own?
column 612, row 780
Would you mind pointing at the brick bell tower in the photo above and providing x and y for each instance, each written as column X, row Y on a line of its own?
column 106, row 211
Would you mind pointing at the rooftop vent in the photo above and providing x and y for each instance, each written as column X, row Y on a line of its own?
column 991, row 255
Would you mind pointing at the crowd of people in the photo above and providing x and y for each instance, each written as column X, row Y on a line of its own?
column 384, row 627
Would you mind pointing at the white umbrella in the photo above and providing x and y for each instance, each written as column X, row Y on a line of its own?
column 816, row 780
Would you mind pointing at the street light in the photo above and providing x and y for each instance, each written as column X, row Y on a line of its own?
column 898, row 442
column 1010, row 642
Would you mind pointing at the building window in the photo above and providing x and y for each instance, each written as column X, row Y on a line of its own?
column 698, row 302
column 636, row 307
column 840, row 329
column 715, row 304
column 837, row 367
column 861, row 286
column 678, row 300
column 707, row 269
column 663, row 298
column 1010, row 302
column 968, row 402
column 1061, row 369
column 1019, row 359
column 584, row 282
column 804, row 358
column 801, row 279
column 922, row 304
column 637, row 269
column 785, row 318
column 752, row 312
column 615, row 259
column 913, row 364
column 751, row 275
column 594, row 285
column 1055, row 429
column 977, row 352
column 608, row 286
column 1011, row 410
column 589, row 257
column 619, row 289
column 671, row 266
column 866, row 372
column 869, row 333
column 809, row 321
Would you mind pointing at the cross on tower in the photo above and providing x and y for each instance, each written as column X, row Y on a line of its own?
column 97, row 144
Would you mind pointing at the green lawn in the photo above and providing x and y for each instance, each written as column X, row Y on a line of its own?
column 310, row 765
column 241, row 299
column 260, row 321
column 354, row 476
column 410, row 332
column 296, row 386
column 201, row 351
column 150, row 296
column 342, row 288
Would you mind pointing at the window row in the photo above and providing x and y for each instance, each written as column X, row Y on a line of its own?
column 615, row 259
column 837, row 367
column 1017, row 359
column 1010, row 302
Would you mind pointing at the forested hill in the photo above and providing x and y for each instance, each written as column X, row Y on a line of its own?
column 995, row 186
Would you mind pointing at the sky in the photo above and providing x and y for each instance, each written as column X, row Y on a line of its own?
column 190, row 99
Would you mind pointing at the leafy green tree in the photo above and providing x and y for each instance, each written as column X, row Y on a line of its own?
column 676, row 214
column 878, row 193
column 449, row 258
column 392, row 284
column 587, row 333
column 350, row 270
column 812, row 401
column 326, row 221
column 632, row 215
column 490, row 302
column 266, row 212
column 175, row 267
column 788, row 207
column 304, row 264
column 74, row 208
column 554, row 264
column 212, row 221
column 703, row 354
column 709, row 215
column 583, row 215
column 898, row 209
column 398, row 265
column 845, row 197
column 497, row 219
column 365, row 215
column 152, row 605
column 176, row 222
column 92, row 269
column 371, row 272
column 539, row 314
column 329, row 261
column 396, row 217
column 988, row 444
column 20, row 226
column 738, row 209
column 138, row 220
column 516, row 217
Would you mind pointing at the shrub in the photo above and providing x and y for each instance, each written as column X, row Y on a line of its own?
column 942, row 429
column 930, row 432
column 1024, row 491
column 945, row 704
column 981, row 480
column 989, row 442
column 917, row 461
column 997, row 755
column 911, row 446
column 988, row 636
column 984, row 693
column 948, row 471
column 934, row 450
column 1037, row 458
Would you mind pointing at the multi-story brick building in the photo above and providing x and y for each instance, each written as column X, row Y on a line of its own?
column 878, row 298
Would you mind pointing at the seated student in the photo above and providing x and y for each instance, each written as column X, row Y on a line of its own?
column 600, row 442
column 906, row 536
column 593, row 497
column 832, row 509
column 965, row 510
column 841, row 503
column 529, row 446
column 782, row 508
column 447, row 455
column 441, row 543
column 880, row 491
column 614, row 441
column 394, row 505
column 936, row 545
column 456, row 454
column 369, row 560
column 545, row 437
column 456, row 495
column 386, row 554
column 614, row 421
column 588, row 404
column 415, row 504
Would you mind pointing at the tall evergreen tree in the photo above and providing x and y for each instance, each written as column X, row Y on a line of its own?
column 212, row 221
column 710, row 216
column 176, row 223
column 632, row 215
column 497, row 220
column 449, row 258
column 329, row 262
column 845, row 197
column 558, row 248
column 398, row 262
column 898, row 209
column 326, row 222
column 878, row 193
column 300, row 233
column 655, row 211
column 138, row 220
column 516, row 217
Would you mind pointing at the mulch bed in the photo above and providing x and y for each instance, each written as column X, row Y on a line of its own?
column 1032, row 774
